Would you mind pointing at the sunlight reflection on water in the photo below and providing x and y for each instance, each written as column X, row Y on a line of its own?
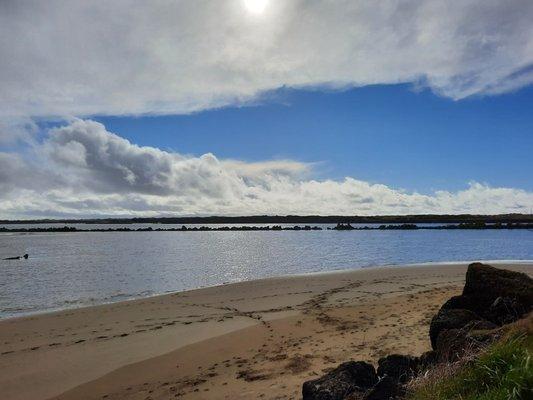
column 74, row 269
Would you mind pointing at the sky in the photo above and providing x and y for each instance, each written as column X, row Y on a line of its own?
column 238, row 107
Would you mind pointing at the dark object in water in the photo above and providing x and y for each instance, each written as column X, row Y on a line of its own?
column 25, row 256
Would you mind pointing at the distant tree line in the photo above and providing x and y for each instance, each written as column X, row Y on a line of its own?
column 297, row 219
column 339, row 227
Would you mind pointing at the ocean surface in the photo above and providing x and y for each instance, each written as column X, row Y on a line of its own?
column 69, row 270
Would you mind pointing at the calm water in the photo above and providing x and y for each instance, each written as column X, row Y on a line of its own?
column 74, row 269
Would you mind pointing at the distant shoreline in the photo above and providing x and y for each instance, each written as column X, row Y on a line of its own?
column 338, row 227
column 294, row 219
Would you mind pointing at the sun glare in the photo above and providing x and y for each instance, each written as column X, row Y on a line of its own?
column 256, row 6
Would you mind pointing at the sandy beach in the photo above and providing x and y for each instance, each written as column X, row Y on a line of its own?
column 257, row 339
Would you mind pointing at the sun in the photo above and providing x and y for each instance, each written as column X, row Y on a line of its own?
column 256, row 6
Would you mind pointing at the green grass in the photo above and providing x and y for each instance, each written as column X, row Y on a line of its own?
column 503, row 372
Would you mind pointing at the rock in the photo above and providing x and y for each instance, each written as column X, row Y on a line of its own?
column 485, row 284
column 398, row 367
column 482, row 325
column 427, row 359
column 343, row 227
column 449, row 319
column 356, row 396
column 460, row 302
column 452, row 344
column 497, row 295
column 386, row 389
column 505, row 310
column 347, row 378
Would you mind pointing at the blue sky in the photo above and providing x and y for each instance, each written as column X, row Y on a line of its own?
column 384, row 133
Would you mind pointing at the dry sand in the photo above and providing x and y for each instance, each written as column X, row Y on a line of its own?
column 258, row 339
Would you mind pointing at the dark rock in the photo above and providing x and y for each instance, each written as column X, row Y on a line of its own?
column 343, row 227
column 482, row 325
column 398, row 367
column 460, row 302
column 449, row 319
column 427, row 359
column 355, row 396
column 452, row 344
column 497, row 295
column 486, row 284
column 344, row 380
column 484, row 337
column 386, row 389
column 505, row 310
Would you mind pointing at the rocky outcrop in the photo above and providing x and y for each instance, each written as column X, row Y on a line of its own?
column 386, row 389
column 450, row 319
column 491, row 298
column 343, row 227
column 398, row 367
column 343, row 381
column 490, row 294
column 459, row 302
column 486, row 283
column 452, row 344
column 505, row 310
column 427, row 359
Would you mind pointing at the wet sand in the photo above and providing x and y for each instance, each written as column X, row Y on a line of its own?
column 257, row 339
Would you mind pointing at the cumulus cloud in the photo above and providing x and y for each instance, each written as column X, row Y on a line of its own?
column 127, row 57
column 81, row 169
column 14, row 131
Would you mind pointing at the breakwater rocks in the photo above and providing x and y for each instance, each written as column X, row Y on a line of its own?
column 181, row 229
column 467, row 225
column 491, row 298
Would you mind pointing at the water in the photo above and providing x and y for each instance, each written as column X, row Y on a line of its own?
column 75, row 269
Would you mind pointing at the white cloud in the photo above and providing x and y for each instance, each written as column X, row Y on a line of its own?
column 81, row 169
column 78, row 58
column 17, row 130
column 81, row 58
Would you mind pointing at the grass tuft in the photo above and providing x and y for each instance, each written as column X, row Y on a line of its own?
column 504, row 371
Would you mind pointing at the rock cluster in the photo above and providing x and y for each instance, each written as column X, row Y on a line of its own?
column 347, row 378
column 491, row 298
